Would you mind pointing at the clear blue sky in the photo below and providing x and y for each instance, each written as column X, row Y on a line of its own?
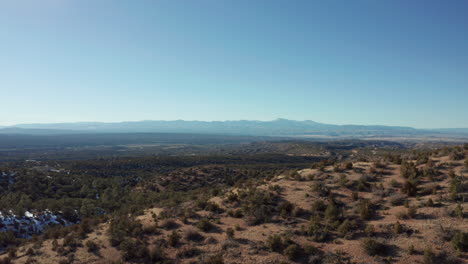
column 393, row 62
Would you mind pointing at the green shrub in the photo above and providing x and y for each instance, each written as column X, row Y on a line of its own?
column 412, row 212
column 12, row 252
column 373, row 247
column 394, row 183
column 458, row 212
column 332, row 212
column 193, row 235
column 429, row 256
column 173, row 239
column 286, row 208
column 460, row 241
column 410, row 187
column 169, row 224
column 213, row 207
column 397, row 199
column 30, row 252
column 156, row 255
column 230, row 233
column 346, row 227
column 235, row 213
column 205, row 225
column 214, row 259
column 318, row 206
column 348, row 166
column 321, row 189
column 456, row 187
column 397, row 228
column 292, row 251
column 409, row 170
column 275, row 243
column 133, row 249
column 316, row 230
column 411, row 249
column 122, row 227
column 430, row 203
column 91, row 246
column 369, row 230
column 365, row 210
column 188, row 252
column 258, row 206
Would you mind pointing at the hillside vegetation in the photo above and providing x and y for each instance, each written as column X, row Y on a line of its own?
column 404, row 206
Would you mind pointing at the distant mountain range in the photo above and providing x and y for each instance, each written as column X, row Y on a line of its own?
column 278, row 127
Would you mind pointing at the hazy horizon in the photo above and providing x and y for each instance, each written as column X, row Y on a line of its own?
column 253, row 120
column 394, row 63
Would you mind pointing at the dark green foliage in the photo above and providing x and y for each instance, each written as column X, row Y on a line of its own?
column 410, row 187
column 365, row 209
column 460, row 241
column 213, row 259
column 71, row 241
column 123, row 227
column 213, row 207
column 332, row 212
column 321, row 189
column 348, row 166
column 5, row 260
column 409, row 170
column 393, row 158
column 397, row 228
column 258, row 206
column 429, row 256
column 292, row 251
column 12, row 252
column 394, row 183
column 30, row 252
column 456, row 155
column 285, row 208
column 205, row 225
column 456, row 187
column 429, row 189
column 237, row 213
column 316, row 230
column 91, row 246
column 346, row 227
column 337, row 168
column 173, row 238
column 458, row 212
column 168, row 224
column 372, row 247
column 134, row 250
column 230, row 233
column 412, row 212
column 188, row 252
column 343, row 181
column 275, row 243
column 156, row 255
column 369, row 230
column 397, row 199
column 363, row 185
column 318, row 206
column 193, row 235
column 411, row 249
column 7, row 239
column 430, row 203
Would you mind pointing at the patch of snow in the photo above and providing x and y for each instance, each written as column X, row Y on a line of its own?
column 30, row 223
